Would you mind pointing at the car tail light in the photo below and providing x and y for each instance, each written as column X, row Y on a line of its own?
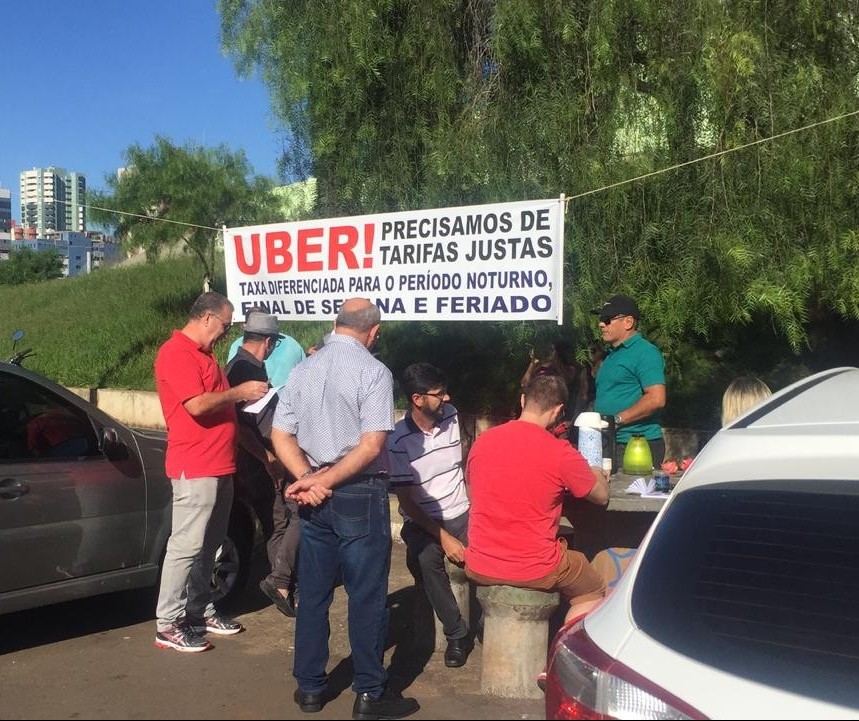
column 583, row 682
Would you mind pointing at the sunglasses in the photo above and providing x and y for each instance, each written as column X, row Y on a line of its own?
column 609, row 319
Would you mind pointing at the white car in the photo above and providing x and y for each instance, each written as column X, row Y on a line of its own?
column 743, row 599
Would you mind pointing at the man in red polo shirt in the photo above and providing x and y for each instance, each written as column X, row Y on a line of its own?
column 517, row 475
column 199, row 408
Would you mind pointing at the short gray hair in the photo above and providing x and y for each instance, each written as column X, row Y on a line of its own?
column 361, row 320
column 209, row 302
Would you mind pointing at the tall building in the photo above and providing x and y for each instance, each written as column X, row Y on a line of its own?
column 5, row 210
column 53, row 199
column 5, row 223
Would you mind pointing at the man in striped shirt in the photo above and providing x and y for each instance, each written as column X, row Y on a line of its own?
column 330, row 427
column 426, row 472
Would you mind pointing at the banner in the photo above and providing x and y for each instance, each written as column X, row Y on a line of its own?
column 501, row 261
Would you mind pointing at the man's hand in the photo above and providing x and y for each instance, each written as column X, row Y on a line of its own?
column 310, row 490
column 452, row 547
column 250, row 390
column 599, row 494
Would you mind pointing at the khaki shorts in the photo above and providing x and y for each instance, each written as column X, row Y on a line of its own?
column 574, row 578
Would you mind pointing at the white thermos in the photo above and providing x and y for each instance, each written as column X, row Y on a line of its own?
column 590, row 427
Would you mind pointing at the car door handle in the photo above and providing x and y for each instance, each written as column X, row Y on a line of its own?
column 10, row 489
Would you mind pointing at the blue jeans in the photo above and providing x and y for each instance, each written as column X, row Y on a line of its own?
column 350, row 533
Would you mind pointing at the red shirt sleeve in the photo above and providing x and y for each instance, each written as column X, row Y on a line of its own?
column 575, row 472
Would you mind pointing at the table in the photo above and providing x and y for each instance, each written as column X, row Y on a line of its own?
column 622, row 523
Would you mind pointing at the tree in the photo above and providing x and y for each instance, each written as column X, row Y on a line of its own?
column 405, row 105
column 31, row 266
column 182, row 195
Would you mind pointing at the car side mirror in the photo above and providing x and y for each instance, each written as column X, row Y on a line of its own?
column 112, row 446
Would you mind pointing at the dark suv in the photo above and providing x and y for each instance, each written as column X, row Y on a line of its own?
column 85, row 502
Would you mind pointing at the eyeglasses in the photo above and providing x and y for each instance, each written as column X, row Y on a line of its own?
column 609, row 319
column 226, row 325
column 440, row 394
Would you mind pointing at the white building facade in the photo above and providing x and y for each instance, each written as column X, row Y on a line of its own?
column 80, row 252
column 53, row 199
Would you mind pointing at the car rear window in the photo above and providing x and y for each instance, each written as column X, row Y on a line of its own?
column 759, row 582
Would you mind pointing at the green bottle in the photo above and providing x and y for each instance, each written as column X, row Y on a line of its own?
column 637, row 460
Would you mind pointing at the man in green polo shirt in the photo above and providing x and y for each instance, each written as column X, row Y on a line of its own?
column 630, row 383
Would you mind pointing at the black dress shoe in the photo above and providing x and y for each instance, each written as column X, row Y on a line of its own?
column 457, row 652
column 285, row 604
column 388, row 706
column 309, row 701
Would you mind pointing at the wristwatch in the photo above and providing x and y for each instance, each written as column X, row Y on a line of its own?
column 618, row 420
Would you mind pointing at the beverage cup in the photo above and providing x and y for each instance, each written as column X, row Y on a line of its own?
column 606, row 466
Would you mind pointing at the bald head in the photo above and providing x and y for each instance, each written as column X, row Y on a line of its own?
column 359, row 314
column 359, row 318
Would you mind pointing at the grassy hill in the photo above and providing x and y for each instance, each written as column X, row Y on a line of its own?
column 103, row 330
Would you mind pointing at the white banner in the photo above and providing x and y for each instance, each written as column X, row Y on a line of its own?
column 501, row 261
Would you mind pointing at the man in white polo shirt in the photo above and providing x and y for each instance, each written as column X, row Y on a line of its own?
column 426, row 473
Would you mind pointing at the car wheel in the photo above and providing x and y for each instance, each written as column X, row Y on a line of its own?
column 232, row 563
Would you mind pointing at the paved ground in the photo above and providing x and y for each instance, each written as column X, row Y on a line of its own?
column 95, row 659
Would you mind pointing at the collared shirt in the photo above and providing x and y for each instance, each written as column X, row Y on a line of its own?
column 280, row 363
column 335, row 396
column 244, row 367
column 431, row 463
column 197, row 448
column 626, row 371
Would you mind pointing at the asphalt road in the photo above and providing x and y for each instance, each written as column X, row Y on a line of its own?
column 96, row 659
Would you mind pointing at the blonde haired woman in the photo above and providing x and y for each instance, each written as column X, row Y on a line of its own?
column 743, row 393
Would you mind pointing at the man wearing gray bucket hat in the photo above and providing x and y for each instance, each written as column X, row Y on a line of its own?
column 256, row 461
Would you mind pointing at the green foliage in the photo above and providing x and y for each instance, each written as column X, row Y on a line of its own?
column 31, row 266
column 404, row 105
column 102, row 330
column 182, row 196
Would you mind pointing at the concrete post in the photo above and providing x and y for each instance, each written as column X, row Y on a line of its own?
column 515, row 639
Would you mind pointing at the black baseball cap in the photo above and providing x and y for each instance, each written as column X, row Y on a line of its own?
column 617, row 305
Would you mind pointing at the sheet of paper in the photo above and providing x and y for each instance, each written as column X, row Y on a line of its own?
column 643, row 486
column 257, row 406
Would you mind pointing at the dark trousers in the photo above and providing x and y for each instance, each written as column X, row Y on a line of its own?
column 282, row 545
column 425, row 559
column 350, row 532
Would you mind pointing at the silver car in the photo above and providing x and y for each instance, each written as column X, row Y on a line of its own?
column 85, row 502
column 743, row 598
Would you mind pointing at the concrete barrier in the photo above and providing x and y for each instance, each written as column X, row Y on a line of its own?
column 138, row 409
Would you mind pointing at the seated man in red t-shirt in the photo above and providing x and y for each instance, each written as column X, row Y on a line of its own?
column 517, row 475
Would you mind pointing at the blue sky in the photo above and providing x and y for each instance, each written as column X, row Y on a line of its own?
column 84, row 80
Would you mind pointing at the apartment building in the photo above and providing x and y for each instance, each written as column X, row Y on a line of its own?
column 5, row 222
column 81, row 252
column 53, row 199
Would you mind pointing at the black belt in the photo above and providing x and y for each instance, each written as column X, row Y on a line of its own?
column 376, row 475
column 379, row 475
